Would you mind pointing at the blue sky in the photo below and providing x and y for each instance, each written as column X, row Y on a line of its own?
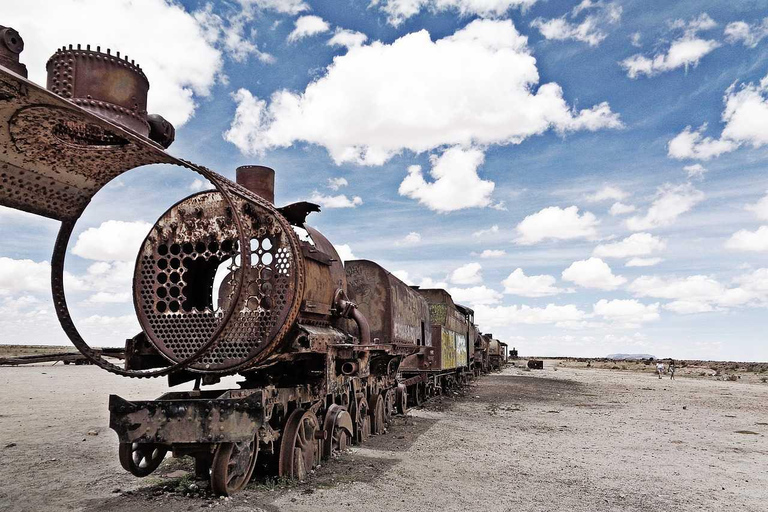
column 536, row 117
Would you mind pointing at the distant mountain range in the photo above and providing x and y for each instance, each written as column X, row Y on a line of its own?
column 622, row 357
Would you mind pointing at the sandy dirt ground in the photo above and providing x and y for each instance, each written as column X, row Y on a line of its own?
column 564, row 439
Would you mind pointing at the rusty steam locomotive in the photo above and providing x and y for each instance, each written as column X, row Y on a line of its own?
column 328, row 352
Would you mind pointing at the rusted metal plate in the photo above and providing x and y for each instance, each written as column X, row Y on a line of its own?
column 395, row 312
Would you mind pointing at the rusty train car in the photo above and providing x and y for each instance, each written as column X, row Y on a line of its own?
column 225, row 283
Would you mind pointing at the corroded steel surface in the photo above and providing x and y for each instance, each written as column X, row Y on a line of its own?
column 111, row 87
column 11, row 45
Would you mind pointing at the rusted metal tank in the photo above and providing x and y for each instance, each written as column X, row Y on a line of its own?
column 11, row 45
column 449, row 330
column 397, row 314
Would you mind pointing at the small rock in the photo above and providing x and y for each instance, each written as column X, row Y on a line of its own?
column 477, row 397
column 308, row 491
column 53, row 460
column 116, row 490
column 193, row 488
column 93, row 432
column 179, row 473
column 685, row 407
column 10, row 445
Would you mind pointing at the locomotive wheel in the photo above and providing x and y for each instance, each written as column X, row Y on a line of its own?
column 389, row 405
column 299, row 447
column 377, row 415
column 362, row 421
column 338, row 427
column 232, row 466
column 141, row 459
column 401, row 400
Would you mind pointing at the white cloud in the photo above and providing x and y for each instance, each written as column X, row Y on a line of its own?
column 760, row 208
column 483, row 232
column 619, row 208
column 592, row 28
column 400, row 10
column 695, row 171
column 503, row 316
column 752, row 241
column 337, row 183
column 112, row 240
column 671, row 201
column 475, row 295
column 186, row 69
column 629, row 312
column 345, row 252
column 685, row 51
column 229, row 33
column 380, row 99
column 307, row 26
column 347, row 38
column 339, row 201
column 428, row 282
column 637, row 244
column 110, row 298
column 412, row 238
column 636, row 39
column 643, row 262
column 493, row 253
column 199, row 185
column 593, row 273
column 699, row 293
column 517, row 283
column 281, row 6
column 456, row 186
column 558, row 224
column 749, row 35
column 690, row 144
column 746, row 122
column 471, row 273
column 607, row 193
column 17, row 276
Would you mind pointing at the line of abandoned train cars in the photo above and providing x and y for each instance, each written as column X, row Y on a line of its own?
column 225, row 283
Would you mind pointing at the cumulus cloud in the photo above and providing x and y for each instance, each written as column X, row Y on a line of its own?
column 456, row 183
column 760, row 208
column 339, row 201
column 380, row 99
column 471, row 273
column 746, row 122
column 199, row 185
column 345, row 252
column 228, row 33
column 684, row 52
column 306, row 26
column 607, row 193
column 400, row 10
column 337, row 183
column 475, row 295
column 17, row 276
column 750, row 241
column 403, row 275
column 517, row 283
column 347, row 38
column 637, row 244
column 749, row 35
column 671, row 201
column 504, row 316
column 483, row 232
column 700, row 293
column 593, row 273
column 629, row 313
column 428, row 282
column 493, row 253
column 557, row 224
column 412, row 238
column 112, row 240
column 619, row 208
column 592, row 29
column 643, row 262
column 185, row 70
column 281, row 6
column 695, row 171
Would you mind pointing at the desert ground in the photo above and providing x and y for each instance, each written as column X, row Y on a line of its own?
column 561, row 439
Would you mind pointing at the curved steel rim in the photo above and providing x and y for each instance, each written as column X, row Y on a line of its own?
column 65, row 319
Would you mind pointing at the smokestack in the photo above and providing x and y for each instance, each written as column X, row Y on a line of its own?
column 258, row 179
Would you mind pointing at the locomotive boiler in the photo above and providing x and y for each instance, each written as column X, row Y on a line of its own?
column 225, row 283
